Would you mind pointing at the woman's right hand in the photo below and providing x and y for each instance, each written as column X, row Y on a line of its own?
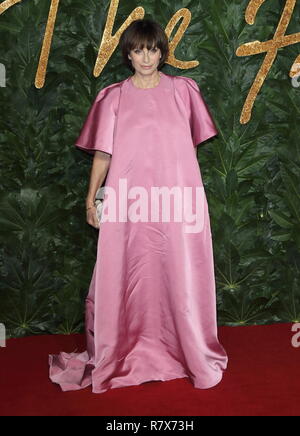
column 91, row 217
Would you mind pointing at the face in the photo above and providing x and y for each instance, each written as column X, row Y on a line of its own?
column 140, row 58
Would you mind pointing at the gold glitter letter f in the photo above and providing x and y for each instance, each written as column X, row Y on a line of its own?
column 270, row 47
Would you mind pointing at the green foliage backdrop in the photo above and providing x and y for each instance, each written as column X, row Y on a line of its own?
column 250, row 172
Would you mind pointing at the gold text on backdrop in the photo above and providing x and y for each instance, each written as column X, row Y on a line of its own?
column 270, row 47
column 109, row 42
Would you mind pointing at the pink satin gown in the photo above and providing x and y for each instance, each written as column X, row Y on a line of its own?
column 151, row 307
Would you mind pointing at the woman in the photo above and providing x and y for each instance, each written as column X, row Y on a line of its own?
column 151, row 307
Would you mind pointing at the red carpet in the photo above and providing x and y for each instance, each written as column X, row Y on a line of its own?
column 262, row 380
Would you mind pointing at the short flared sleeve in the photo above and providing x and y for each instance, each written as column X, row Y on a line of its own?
column 97, row 132
column 200, row 119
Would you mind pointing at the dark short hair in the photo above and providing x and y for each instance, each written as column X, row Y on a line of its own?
column 141, row 33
